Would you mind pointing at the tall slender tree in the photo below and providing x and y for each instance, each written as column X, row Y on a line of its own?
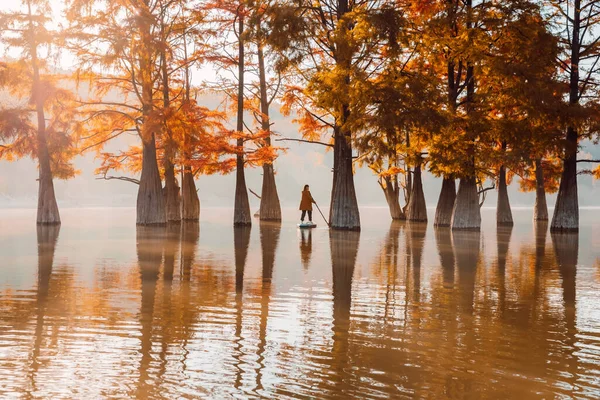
column 37, row 120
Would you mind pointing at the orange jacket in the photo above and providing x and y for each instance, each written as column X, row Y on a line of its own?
column 306, row 202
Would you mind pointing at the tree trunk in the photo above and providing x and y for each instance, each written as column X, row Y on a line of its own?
column 540, row 209
column 241, row 211
column 172, row 193
column 270, row 209
column 343, row 212
column 392, row 197
column 466, row 214
column 417, row 209
column 190, row 203
column 47, row 211
column 503, row 211
column 150, row 199
column 445, row 205
column 344, row 206
column 566, row 211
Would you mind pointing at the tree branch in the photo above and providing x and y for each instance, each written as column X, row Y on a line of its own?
column 120, row 178
column 303, row 141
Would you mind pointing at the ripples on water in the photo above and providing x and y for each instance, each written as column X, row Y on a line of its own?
column 99, row 308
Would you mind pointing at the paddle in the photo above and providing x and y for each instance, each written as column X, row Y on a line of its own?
column 327, row 222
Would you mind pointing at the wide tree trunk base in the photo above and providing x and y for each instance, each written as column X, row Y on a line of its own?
column 417, row 208
column 270, row 208
column 241, row 211
column 344, row 211
column 503, row 211
column 466, row 214
column 172, row 197
column 445, row 205
column 47, row 212
column 190, row 203
column 150, row 200
column 566, row 211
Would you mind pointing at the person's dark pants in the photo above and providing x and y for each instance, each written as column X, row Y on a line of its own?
column 304, row 215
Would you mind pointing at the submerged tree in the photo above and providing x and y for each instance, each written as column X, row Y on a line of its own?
column 37, row 120
column 122, row 39
column 329, row 52
column 260, row 16
column 577, row 21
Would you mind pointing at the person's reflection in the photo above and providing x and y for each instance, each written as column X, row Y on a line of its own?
column 241, row 242
column 150, row 242
column 443, row 240
column 269, row 238
column 47, row 238
column 566, row 250
column 344, row 248
column 503, row 235
column 305, row 247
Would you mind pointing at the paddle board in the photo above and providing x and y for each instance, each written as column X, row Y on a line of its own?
column 305, row 225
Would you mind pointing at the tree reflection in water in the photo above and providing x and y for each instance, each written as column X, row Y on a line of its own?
column 443, row 240
column 150, row 245
column 47, row 238
column 269, row 239
column 504, row 317
column 344, row 248
column 241, row 242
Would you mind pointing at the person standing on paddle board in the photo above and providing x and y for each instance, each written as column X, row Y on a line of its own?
column 306, row 204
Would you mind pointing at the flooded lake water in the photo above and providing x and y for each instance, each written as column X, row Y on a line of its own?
column 99, row 308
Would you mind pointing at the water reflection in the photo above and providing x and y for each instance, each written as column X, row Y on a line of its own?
column 269, row 239
column 397, row 312
column 305, row 247
column 344, row 248
column 47, row 238
column 443, row 240
column 466, row 246
column 150, row 244
column 241, row 242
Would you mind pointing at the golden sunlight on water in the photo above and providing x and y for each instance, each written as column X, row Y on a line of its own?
column 98, row 308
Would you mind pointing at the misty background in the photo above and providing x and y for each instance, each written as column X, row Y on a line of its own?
column 300, row 164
